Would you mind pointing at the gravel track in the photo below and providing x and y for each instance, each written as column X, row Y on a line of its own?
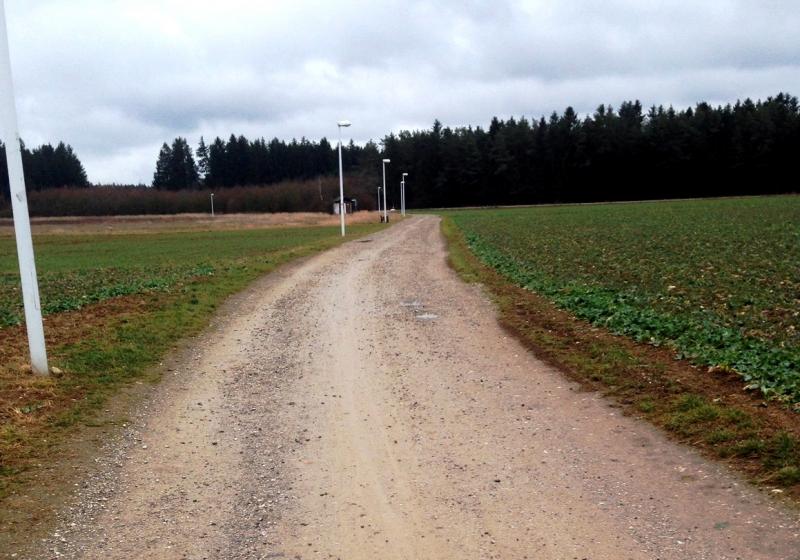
column 365, row 404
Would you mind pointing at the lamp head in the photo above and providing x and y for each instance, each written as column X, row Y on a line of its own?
column 343, row 123
column 387, row 161
column 405, row 174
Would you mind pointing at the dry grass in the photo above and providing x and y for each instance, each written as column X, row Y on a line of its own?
column 182, row 222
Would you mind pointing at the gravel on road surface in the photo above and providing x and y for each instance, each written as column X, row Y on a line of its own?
column 365, row 404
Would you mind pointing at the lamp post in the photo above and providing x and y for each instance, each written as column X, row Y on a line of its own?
column 385, row 213
column 403, row 194
column 379, row 200
column 212, row 204
column 341, row 124
column 19, row 207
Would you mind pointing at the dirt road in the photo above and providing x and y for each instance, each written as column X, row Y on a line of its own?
column 365, row 404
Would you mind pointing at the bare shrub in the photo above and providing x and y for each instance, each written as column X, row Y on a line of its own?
column 315, row 195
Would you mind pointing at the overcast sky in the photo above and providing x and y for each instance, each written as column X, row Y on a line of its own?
column 117, row 78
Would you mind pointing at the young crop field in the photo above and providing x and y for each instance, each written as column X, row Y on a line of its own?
column 716, row 281
column 692, row 312
column 77, row 270
column 113, row 305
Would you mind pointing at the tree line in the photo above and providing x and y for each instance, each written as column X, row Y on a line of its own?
column 46, row 167
column 621, row 153
column 613, row 154
column 241, row 162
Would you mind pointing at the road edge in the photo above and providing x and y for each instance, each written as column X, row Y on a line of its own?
column 647, row 382
column 91, row 445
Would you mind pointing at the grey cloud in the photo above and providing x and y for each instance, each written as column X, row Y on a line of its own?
column 117, row 78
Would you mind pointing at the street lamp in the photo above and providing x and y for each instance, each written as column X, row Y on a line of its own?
column 403, row 194
column 9, row 131
column 341, row 124
column 212, row 204
column 385, row 213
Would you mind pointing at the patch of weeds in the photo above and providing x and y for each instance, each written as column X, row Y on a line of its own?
column 688, row 403
column 31, row 408
column 788, row 476
column 782, row 450
column 646, row 405
column 738, row 418
column 750, row 447
column 720, row 435
column 692, row 415
column 673, row 387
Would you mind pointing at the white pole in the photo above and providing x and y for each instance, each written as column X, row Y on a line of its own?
column 212, row 204
column 340, row 124
column 403, row 194
column 402, row 197
column 341, row 183
column 19, row 206
column 385, row 211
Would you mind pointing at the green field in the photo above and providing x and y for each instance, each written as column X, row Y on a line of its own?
column 114, row 305
column 76, row 270
column 717, row 281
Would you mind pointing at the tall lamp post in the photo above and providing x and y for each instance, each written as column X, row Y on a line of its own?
column 403, row 194
column 19, row 207
column 385, row 213
column 341, row 124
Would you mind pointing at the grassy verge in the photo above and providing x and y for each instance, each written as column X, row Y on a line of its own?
column 703, row 407
column 714, row 280
column 106, row 340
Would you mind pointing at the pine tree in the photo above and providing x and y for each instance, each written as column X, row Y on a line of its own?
column 161, row 178
column 218, row 175
column 46, row 167
column 182, row 171
column 68, row 169
column 238, row 156
column 202, row 161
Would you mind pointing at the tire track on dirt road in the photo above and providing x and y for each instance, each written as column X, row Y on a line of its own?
column 365, row 404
